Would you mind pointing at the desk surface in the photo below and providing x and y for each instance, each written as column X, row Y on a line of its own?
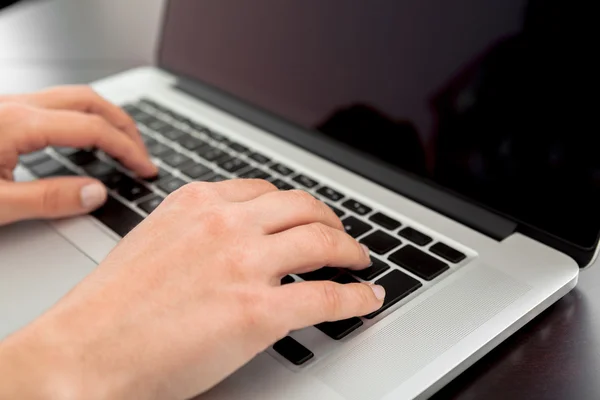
column 556, row 356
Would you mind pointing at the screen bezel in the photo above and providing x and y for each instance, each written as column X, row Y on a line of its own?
column 423, row 190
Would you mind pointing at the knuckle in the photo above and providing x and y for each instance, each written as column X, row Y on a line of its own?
column 309, row 203
column 261, row 183
column 84, row 91
column 97, row 124
column 257, row 317
column 322, row 237
column 253, row 308
column 13, row 112
column 330, row 299
column 193, row 191
column 301, row 196
column 49, row 201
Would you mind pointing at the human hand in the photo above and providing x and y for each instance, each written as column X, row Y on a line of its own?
column 67, row 116
column 190, row 295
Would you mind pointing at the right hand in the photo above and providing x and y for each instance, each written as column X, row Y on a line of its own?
column 192, row 294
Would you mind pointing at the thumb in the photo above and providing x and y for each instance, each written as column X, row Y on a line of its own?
column 50, row 198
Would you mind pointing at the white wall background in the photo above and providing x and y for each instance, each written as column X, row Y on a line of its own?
column 47, row 42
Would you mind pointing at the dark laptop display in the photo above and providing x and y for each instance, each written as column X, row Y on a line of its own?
column 488, row 99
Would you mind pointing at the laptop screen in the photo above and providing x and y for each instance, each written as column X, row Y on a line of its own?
column 485, row 98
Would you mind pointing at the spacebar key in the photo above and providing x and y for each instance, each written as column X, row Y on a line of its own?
column 117, row 216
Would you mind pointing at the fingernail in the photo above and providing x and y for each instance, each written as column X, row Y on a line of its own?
column 92, row 196
column 379, row 291
column 366, row 250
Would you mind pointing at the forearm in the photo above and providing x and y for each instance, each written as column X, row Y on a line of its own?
column 31, row 368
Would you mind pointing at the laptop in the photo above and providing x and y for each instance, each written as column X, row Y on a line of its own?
column 447, row 135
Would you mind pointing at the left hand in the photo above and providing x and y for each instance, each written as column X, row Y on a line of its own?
column 74, row 116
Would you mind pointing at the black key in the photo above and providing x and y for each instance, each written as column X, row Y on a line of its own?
column 151, row 204
column 282, row 185
column 305, row 181
column 64, row 172
column 137, row 114
column 377, row 268
column 330, row 193
column 418, row 262
column 174, row 159
column 170, row 185
column 148, row 141
column 207, row 178
column 323, row 274
column 112, row 179
column 282, row 169
column 65, row 151
column 255, row 173
column 131, row 190
column 447, row 252
column 259, row 158
column 336, row 210
column 189, row 142
column 415, row 236
column 215, row 136
column 217, row 178
column 181, row 119
column 196, row 171
column 129, row 108
column 380, row 242
column 118, row 217
column 158, row 148
column 156, row 124
column 50, row 167
column 162, row 174
column 357, row 207
column 32, row 159
column 385, row 221
column 286, row 280
column 340, row 329
column 293, row 351
column 98, row 169
column 211, row 153
column 196, row 126
column 233, row 165
column 354, row 227
column 82, row 157
column 397, row 286
column 151, row 103
column 344, row 279
column 171, row 133
column 240, row 148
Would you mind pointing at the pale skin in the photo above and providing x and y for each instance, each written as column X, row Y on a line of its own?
column 137, row 326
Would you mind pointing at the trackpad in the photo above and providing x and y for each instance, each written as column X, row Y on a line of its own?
column 37, row 268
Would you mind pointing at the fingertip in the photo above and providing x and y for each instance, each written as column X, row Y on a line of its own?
column 378, row 291
column 367, row 252
column 149, row 171
column 93, row 195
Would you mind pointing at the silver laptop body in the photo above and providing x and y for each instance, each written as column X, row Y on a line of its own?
column 409, row 351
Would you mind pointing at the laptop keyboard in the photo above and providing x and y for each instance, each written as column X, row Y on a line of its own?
column 405, row 260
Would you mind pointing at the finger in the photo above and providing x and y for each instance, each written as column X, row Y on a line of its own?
column 240, row 190
column 310, row 247
column 84, row 99
column 281, row 210
column 44, row 128
column 310, row 303
column 49, row 198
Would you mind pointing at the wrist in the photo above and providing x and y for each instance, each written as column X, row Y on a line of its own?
column 34, row 364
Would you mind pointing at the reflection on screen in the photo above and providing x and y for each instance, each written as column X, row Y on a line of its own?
column 486, row 98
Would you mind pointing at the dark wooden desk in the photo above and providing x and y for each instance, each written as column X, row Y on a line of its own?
column 557, row 356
